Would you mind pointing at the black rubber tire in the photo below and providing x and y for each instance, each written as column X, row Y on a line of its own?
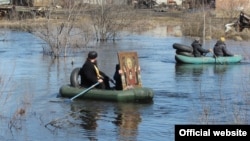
column 182, row 48
column 74, row 77
column 184, row 53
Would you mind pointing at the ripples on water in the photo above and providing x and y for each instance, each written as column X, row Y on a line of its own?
column 184, row 94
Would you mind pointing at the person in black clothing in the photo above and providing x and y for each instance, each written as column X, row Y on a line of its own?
column 220, row 48
column 198, row 51
column 90, row 74
column 117, row 78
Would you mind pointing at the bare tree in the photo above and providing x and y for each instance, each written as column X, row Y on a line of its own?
column 64, row 32
column 77, row 23
column 109, row 20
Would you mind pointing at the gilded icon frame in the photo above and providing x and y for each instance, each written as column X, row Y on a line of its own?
column 131, row 73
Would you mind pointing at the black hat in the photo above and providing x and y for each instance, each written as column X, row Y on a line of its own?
column 117, row 67
column 92, row 55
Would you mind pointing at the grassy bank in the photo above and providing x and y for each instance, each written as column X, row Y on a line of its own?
column 192, row 24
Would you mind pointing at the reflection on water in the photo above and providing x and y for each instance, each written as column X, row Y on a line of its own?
column 220, row 69
column 199, row 69
column 88, row 117
column 182, row 69
column 206, row 75
column 128, row 119
column 216, row 87
column 126, row 116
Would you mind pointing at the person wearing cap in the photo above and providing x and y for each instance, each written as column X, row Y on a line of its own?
column 198, row 51
column 220, row 48
column 90, row 73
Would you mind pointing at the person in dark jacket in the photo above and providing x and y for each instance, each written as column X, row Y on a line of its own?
column 198, row 51
column 117, row 78
column 220, row 48
column 90, row 74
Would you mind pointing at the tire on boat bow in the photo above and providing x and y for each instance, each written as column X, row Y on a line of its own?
column 182, row 48
column 74, row 77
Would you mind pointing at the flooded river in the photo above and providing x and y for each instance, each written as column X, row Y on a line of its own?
column 184, row 94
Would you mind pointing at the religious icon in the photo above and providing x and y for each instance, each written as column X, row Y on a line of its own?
column 131, row 70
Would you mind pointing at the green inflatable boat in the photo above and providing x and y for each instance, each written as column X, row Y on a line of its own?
column 131, row 95
column 185, row 59
column 139, row 94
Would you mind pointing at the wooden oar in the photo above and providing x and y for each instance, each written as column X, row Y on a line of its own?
column 216, row 58
column 70, row 100
column 85, row 91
